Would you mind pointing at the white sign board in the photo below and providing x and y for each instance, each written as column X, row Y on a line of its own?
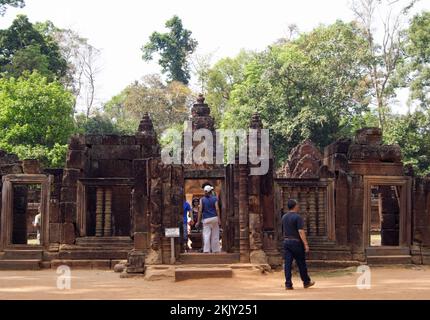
column 172, row 233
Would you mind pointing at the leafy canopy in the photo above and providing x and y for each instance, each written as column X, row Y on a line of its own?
column 174, row 49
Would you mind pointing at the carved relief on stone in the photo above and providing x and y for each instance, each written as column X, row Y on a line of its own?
column 156, row 207
column 304, row 161
column 368, row 147
column 147, row 137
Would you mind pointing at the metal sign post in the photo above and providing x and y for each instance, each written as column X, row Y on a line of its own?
column 172, row 233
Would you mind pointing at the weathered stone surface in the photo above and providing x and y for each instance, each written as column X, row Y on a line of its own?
column 77, row 142
column 31, row 166
column 11, row 169
column 68, row 210
column 75, row 159
column 68, row 194
column 118, row 152
column 71, row 177
column 304, row 161
column 369, row 136
column 68, row 233
column 54, row 232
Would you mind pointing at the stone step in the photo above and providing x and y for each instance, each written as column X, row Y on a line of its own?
column 93, row 255
column 104, row 241
column 12, row 254
column 387, row 251
column 85, row 264
column 328, row 264
column 387, row 260
column 96, row 248
column 182, row 274
column 201, row 258
column 20, row 264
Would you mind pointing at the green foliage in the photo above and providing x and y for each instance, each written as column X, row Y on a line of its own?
column 24, row 48
column 309, row 88
column 174, row 49
column 222, row 78
column 49, row 157
column 412, row 133
column 418, row 49
column 12, row 3
column 36, row 116
column 166, row 103
column 97, row 124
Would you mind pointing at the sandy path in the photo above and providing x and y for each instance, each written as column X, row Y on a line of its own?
column 387, row 283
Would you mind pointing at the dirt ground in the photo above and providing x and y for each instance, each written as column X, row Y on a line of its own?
column 387, row 283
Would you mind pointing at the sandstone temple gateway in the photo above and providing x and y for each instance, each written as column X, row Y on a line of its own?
column 115, row 197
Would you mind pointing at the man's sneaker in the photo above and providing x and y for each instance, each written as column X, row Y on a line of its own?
column 289, row 288
column 310, row 284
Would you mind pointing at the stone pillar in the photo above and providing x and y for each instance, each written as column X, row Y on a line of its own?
column 108, row 213
column 99, row 212
column 243, row 215
column 257, row 255
column 156, row 206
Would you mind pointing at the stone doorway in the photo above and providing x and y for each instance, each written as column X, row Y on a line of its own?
column 25, row 211
column 104, row 207
column 387, row 212
column 194, row 191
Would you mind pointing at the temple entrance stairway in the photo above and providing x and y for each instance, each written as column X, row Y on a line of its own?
column 94, row 252
column 203, row 266
column 21, row 259
column 388, row 255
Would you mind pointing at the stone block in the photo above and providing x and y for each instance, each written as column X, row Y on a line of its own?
column 75, row 159
column 119, row 152
column 54, row 212
column 141, row 241
column 110, row 139
column 68, row 194
column 68, row 211
column 94, row 139
column 71, row 177
column 54, row 233
column 11, row 169
column 68, row 233
column 77, row 142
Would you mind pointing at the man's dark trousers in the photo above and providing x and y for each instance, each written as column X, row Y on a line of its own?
column 295, row 250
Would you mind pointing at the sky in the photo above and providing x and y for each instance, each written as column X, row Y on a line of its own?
column 222, row 27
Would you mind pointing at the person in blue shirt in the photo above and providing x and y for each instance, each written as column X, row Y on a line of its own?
column 209, row 214
column 187, row 210
column 295, row 245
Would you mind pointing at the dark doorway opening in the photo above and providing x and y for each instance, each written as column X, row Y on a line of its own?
column 27, row 215
column 385, row 216
column 108, row 211
column 193, row 193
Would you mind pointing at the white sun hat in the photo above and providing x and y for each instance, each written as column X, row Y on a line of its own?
column 208, row 189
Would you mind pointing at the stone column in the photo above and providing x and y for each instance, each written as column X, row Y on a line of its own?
column 108, row 213
column 243, row 215
column 257, row 255
column 99, row 212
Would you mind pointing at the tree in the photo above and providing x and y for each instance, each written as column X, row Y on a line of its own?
column 309, row 88
column 12, row 3
column 174, row 49
column 166, row 103
column 386, row 52
column 221, row 79
column 412, row 133
column 82, row 64
column 97, row 124
column 418, row 60
column 35, row 114
column 23, row 47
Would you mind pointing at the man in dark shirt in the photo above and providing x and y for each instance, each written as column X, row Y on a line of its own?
column 295, row 245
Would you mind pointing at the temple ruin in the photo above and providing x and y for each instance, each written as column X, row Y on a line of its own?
column 115, row 197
